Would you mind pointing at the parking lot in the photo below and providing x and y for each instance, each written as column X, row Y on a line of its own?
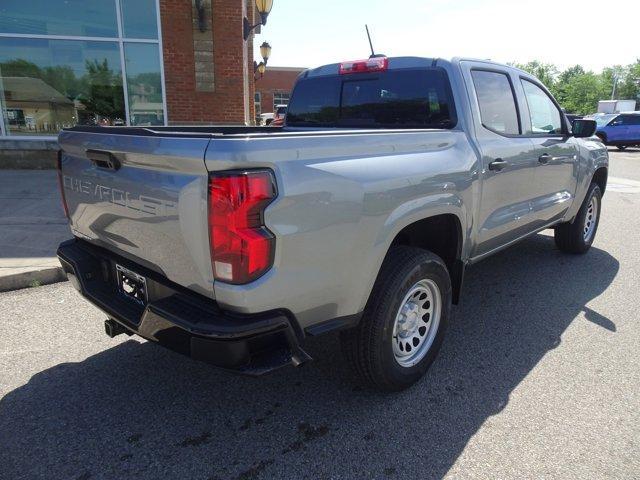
column 538, row 378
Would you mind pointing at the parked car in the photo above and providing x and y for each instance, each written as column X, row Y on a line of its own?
column 266, row 118
column 620, row 130
column 571, row 117
column 279, row 116
column 390, row 178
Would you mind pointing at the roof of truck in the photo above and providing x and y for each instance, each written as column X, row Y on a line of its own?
column 407, row 62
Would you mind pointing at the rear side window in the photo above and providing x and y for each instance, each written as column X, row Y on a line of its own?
column 408, row 98
column 545, row 116
column 497, row 103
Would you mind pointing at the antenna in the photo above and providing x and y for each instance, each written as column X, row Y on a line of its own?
column 373, row 54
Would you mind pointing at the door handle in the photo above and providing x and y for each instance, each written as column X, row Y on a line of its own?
column 497, row 165
column 544, row 158
column 103, row 159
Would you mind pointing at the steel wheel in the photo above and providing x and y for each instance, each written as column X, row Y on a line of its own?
column 590, row 219
column 416, row 323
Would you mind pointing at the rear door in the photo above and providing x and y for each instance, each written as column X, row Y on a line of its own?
column 508, row 158
column 143, row 197
column 555, row 178
column 617, row 129
column 633, row 132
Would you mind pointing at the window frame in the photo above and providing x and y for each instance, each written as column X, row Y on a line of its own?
column 120, row 40
column 507, row 74
column 563, row 121
column 279, row 92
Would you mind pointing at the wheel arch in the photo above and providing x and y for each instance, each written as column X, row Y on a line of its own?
column 600, row 177
column 441, row 234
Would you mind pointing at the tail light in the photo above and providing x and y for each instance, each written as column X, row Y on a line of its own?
column 61, row 185
column 241, row 246
column 375, row 64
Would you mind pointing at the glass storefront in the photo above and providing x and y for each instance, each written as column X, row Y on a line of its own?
column 62, row 62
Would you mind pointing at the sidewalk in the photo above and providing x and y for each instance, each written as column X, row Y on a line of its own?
column 32, row 224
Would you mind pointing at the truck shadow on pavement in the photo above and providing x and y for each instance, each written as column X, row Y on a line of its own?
column 139, row 411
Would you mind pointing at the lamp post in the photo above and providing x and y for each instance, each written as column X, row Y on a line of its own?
column 265, row 52
column 264, row 8
column 259, row 68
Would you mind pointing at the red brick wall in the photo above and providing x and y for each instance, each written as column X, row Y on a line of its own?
column 186, row 105
column 275, row 80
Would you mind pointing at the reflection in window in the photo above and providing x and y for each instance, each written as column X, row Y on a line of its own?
column 280, row 98
column 144, row 84
column 59, row 17
column 497, row 103
column 47, row 85
column 139, row 18
column 544, row 115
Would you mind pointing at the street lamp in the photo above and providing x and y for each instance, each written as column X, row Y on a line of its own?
column 265, row 51
column 263, row 7
column 260, row 68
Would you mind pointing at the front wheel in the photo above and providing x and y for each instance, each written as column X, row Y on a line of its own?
column 578, row 236
column 404, row 321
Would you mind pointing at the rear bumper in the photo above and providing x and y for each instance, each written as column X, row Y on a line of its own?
column 181, row 320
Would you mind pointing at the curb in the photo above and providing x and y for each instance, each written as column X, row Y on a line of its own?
column 33, row 278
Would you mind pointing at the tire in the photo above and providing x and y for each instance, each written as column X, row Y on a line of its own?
column 621, row 147
column 418, row 282
column 578, row 236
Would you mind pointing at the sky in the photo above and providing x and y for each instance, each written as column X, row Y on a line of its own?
column 592, row 33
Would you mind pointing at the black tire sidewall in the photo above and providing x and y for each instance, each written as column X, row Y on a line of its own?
column 395, row 373
column 594, row 191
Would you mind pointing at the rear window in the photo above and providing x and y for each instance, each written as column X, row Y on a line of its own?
column 408, row 98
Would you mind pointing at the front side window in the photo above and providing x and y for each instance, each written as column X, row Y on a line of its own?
column 544, row 115
column 497, row 102
column 624, row 120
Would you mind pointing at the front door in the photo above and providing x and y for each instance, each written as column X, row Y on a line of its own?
column 556, row 172
column 617, row 130
column 508, row 159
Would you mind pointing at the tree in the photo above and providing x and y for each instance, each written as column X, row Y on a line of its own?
column 545, row 72
column 105, row 95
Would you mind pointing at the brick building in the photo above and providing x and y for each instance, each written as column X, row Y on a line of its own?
column 121, row 62
column 274, row 88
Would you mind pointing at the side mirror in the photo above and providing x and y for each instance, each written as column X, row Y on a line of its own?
column 583, row 128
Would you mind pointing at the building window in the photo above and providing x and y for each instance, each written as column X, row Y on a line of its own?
column 257, row 101
column 280, row 98
column 79, row 62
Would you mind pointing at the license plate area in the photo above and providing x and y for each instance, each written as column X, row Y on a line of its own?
column 132, row 285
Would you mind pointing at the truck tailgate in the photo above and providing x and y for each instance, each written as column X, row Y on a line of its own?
column 143, row 197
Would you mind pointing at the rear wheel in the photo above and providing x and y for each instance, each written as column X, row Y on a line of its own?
column 621, row 147
column 578, row 236
column 404, row 321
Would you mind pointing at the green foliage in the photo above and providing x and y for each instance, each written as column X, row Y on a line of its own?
column 578, row 90
column 99, row 89
column 104, row 94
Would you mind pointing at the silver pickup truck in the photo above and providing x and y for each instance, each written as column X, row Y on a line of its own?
column 389, row 178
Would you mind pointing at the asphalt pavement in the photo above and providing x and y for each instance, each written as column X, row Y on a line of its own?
column 32, row 224
column 538, row 378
